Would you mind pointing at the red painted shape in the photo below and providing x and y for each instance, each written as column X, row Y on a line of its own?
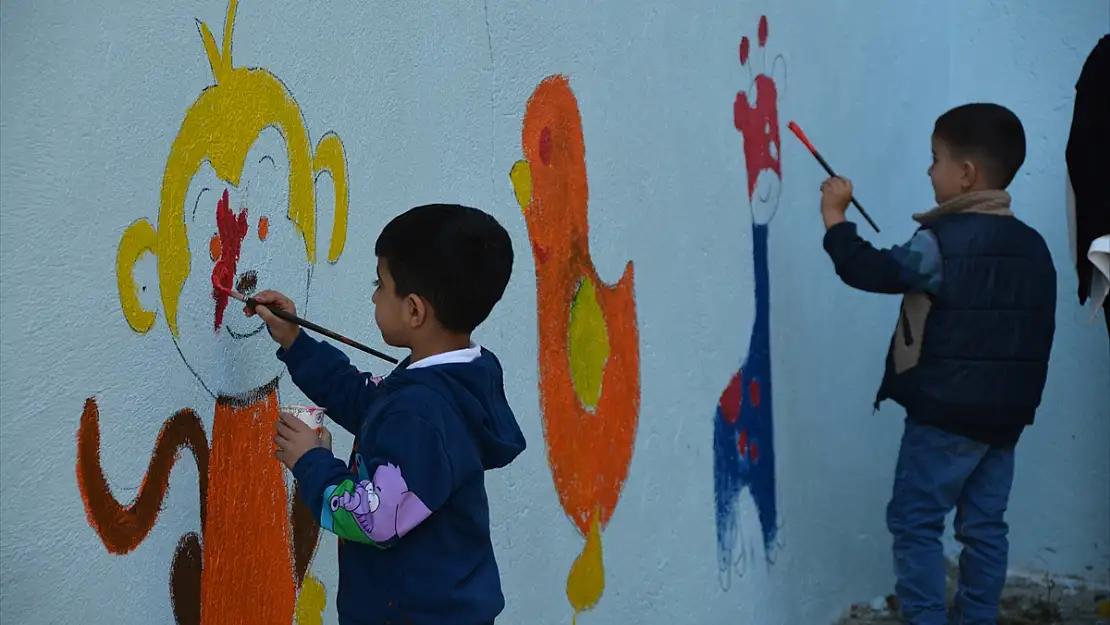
column 754, row 452
column 232, row 230
column 745, row 49
column 545, row 146
column 759, row 123
column 753, row 393
column 742, row 443
column 762, row 30
column 730, row 399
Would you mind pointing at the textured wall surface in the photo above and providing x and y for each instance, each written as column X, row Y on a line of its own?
column 669, row 261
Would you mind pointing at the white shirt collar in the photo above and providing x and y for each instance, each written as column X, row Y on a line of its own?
column 470, row 354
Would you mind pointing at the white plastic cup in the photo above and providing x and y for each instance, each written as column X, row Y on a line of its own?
column 312, row 416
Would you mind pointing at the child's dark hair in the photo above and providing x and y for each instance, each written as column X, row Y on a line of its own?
column 989, row 134
column 457, row 258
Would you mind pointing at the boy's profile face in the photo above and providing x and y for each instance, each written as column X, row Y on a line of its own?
column 947, row 173
column 390, row 310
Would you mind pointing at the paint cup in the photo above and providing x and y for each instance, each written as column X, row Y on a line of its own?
column 312, row 416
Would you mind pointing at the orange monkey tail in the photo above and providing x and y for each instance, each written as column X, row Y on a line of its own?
column 121, row 527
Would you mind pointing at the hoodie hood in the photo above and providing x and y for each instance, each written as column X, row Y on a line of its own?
column 477, row 390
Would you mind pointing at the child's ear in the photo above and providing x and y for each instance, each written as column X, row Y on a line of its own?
column 417, row 309
column 969, row 174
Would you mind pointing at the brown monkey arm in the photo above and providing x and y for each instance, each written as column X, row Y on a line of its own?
column 122, row 527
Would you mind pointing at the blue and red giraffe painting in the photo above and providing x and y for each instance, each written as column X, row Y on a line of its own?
column 743, row 433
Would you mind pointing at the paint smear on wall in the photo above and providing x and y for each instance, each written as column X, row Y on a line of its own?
column 589, row 355
column 743, row 434
column 255, row 544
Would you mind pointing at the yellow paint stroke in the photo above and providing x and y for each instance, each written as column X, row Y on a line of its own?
column 586, row 580
column 311, row 602
column 1104, row 609
column 139, row 238
column 521, row 177
column 589, row 344
column 219, row 128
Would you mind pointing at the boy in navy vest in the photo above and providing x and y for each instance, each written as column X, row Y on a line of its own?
column 968, row 359
column 410, row 506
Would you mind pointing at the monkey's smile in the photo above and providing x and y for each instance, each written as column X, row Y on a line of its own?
column 247, row 334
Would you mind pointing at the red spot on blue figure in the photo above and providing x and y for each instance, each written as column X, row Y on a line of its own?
column 731, row 398
column 743, row 441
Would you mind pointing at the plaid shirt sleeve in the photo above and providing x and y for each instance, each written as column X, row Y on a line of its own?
column 920, row 260
column 914, row 267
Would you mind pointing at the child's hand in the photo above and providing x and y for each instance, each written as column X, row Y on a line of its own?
column 836, row 194
column 294, row 439
column 325, row 437
column 280, row 330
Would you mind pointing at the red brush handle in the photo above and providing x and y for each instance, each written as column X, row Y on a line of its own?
column 797, row 130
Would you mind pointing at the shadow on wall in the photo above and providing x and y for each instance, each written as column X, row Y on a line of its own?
column 589, row 354
column 743, row 432
column 226, row 568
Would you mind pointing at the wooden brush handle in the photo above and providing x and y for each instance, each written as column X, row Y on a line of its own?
column 304, row 323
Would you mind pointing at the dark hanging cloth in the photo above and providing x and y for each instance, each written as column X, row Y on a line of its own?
column 1088, row 160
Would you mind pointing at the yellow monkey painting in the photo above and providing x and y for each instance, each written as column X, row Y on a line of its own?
column 238, row 196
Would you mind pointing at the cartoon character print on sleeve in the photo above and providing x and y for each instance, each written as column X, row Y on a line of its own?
column 374, row 512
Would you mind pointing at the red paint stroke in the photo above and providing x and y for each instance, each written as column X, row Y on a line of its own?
column 759, row 122
column 545, row 146
column 742, row 443
column 745, row 49
column 754, row 452
column 541, row 253
column 753, row 393
column 232, row 230
column 731, row 398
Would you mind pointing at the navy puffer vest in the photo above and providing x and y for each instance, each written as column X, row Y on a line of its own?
column 984, row 340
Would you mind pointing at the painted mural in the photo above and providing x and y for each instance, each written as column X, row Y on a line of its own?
column 589, row 355
column 238, row 196
column 743, row 432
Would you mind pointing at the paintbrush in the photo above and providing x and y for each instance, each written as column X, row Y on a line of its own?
column 291, row 318
column 793, row 126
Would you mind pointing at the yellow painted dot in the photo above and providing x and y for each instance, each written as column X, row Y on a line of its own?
column 589, row 344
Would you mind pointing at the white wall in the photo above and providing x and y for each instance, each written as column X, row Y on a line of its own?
column 428, row 105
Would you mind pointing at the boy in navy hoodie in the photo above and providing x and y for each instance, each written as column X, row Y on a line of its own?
column 410, row 506
column 968, row 359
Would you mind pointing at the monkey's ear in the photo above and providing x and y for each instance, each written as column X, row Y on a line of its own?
column 330, row 158
column 139, row 238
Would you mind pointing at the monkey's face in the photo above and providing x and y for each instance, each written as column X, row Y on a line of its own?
column 246, row 231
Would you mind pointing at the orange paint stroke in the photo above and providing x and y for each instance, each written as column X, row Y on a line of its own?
column 589, row 452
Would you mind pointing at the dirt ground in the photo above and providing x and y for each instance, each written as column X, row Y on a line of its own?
column 1024, row 602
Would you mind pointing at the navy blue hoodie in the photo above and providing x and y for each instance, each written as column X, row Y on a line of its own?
column 410, row 507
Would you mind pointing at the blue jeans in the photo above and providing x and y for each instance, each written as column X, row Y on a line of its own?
column 937, row 471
